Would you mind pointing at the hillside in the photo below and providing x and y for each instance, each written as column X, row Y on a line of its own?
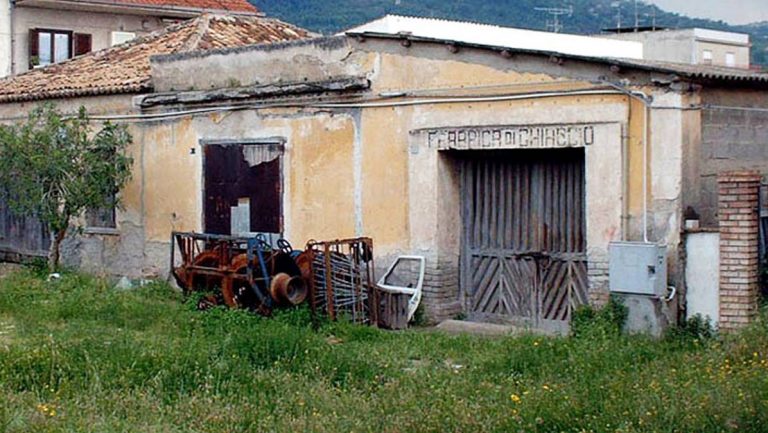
column 589, row 16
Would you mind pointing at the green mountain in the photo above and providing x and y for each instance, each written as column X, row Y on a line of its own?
column 589, row 16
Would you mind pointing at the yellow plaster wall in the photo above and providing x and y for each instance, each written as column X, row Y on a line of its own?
column 321, row 190
column 385, row 176
column 171, row 191
column 405, row 72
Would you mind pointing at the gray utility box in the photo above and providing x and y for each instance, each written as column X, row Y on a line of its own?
column 638, row 268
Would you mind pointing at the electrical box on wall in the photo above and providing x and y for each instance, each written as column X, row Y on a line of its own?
column 638, row 268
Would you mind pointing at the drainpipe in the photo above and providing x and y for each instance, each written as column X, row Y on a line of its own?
column 646, row 108
column 647, row 101
column 11, row 10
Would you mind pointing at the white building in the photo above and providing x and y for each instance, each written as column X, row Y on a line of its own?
column 692, row 46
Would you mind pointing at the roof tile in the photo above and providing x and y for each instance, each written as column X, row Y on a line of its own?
column 125, row 68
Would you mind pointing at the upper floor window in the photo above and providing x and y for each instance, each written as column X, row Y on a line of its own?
column 52, row 46
column 706, row 57
column 122, row 37
column 730, row 60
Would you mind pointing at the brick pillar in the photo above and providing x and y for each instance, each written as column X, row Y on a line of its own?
column 739, row 256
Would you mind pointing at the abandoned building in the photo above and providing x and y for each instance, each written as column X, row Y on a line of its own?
column 512, row 170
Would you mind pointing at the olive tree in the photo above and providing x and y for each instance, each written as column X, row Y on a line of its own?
column 56, row 167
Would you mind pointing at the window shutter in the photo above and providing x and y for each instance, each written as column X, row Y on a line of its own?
column 34, row 49
column 82, row 43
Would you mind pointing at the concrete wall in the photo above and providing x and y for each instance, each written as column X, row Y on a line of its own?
column 99, row 25
column 672, row 46
column 731, row 139
column 688, row 46
column 719, row 51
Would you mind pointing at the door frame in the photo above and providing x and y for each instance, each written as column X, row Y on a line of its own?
column 280, row 142
column 570, row 262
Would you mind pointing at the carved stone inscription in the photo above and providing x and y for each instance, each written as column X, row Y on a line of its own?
column 512, row 137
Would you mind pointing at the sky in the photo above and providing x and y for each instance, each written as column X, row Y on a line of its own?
column 730, row 11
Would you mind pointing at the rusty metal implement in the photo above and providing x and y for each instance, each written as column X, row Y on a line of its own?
column 341, row 279
column 244, row 272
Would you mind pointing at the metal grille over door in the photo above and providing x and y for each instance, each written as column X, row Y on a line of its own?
column 524, row 255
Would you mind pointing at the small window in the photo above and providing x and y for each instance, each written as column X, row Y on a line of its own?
column 730, row 60
column 122, row 37
column 101, row 218
column 706, row 57
column 49, row 46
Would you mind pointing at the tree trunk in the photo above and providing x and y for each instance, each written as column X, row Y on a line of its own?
column 54, row 252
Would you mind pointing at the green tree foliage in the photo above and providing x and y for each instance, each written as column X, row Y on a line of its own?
column 589, row 16
column 56, row 167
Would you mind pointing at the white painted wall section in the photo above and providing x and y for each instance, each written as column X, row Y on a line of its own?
column 702, row 275
column 507, row 37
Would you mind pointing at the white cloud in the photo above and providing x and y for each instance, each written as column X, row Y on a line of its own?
column 731, row 11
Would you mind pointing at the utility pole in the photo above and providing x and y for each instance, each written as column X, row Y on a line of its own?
column 554, row 23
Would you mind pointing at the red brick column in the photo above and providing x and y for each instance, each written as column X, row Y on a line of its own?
column 739, row 256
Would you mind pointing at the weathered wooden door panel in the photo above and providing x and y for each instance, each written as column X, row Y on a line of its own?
column 243, row 175
column 21, row 236
column 523, row 255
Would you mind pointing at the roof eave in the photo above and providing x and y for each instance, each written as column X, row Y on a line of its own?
column 129, row 8
column 602, row 60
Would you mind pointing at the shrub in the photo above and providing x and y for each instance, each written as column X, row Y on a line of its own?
column 605, row 321
column 695, row 328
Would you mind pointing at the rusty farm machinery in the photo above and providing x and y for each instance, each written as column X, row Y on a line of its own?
column 336, row 277
column 245, row 272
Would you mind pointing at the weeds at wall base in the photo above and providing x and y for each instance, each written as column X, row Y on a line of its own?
column 81, row 356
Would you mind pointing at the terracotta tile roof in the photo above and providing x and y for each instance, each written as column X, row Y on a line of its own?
column 125, row 68
column 211, row 5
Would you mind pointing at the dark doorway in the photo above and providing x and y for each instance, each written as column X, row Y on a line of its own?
column 243, row 188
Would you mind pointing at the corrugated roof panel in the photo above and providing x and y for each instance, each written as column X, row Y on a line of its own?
column 490, row 35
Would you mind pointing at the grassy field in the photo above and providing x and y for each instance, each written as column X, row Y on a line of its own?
column 77, row 355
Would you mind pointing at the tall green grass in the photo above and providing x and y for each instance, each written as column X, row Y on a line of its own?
column 77, row 355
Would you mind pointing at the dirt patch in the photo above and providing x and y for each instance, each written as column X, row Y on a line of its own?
column 8, row 268
column 7, row 333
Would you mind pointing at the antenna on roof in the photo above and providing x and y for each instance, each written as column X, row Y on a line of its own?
column 637, row 17
column 554, row 23
column 617, row 5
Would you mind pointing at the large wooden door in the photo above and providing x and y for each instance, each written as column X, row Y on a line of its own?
column 524, row 246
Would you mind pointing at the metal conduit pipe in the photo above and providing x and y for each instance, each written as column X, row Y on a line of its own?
column 365, row 104
column 647, row 101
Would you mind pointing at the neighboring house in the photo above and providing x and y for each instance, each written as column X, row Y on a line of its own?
column 512, row 170
column 105, row 82
column 694, row 46
column 36, row 33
